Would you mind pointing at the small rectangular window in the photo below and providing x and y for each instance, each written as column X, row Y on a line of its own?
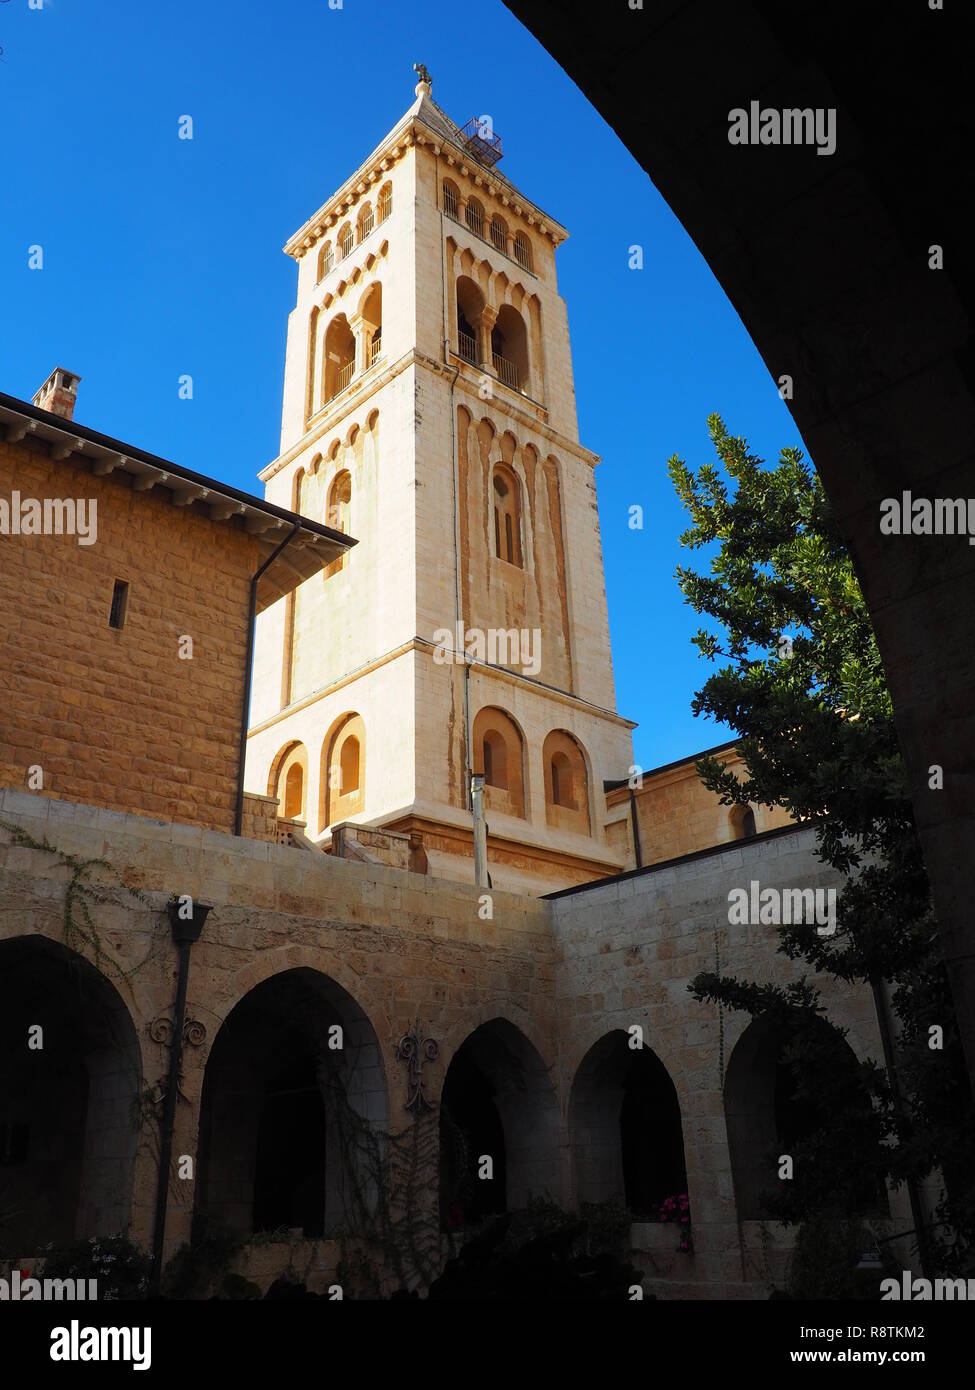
column 120, row 601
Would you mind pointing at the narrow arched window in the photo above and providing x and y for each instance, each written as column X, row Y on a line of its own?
column 349, row 765
column 474, row 216
column 293, row 791
column 507, row 517
column 523, row 250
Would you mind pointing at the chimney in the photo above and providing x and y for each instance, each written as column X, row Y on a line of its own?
column 58, row 394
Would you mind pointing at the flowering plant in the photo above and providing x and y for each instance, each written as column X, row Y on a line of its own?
column 678, row 1210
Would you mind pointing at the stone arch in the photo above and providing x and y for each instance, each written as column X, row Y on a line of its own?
column 497, row 1101
column 344, row 240
column 288, row 780
column 338, row 353
column 523, row 250
column 326, row 259
column 343, row 759
column 371, row 314
column 625, row 1127
column 566, row 782
column 338, row 508
column 766, row 1118
column 364, row 222
column 499, row 753
column 451, row 199
column 69, row 1110
column 509, row 348
column 474, row 216
column 384, row 203
column 470, row 307
column 499, row 233
column 507, row 513
column 294, row 1108
column 741, row 822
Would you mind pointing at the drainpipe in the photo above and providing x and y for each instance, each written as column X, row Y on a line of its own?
column 480, row 831
column 636, row 831
column 185, row 931
column 456, row 483
column 251, row 618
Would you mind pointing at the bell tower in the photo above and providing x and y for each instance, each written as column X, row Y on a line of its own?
column 429, row 412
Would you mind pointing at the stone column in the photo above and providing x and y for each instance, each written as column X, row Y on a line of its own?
column 489, row 316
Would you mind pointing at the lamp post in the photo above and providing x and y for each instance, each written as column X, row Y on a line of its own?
column 186, row 919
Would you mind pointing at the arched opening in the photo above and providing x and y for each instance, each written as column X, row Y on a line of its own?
column 495, row 761
column 566, row 783
column 499, row 233
column 770, row 1112
column 499, row 755
column 326, row 259
column 371, row 309
column 384, row 203
column 625, row 1127
column 343, row 770
column 69, row 1108
column 339, row 354
column 451, row 199
column 349, row 763
column 337, row 506
column 470, row 305
column 741, row 821
column 523, row 250
column 498, row 1104
column 294, row 791
column 346, row 241
column 364, row 222
column 293, row 1111
column 506, row 497
column 287, row 780
column 474, row 216
column 509, row 348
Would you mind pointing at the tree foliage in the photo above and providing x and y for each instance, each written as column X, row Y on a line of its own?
column 800, row 680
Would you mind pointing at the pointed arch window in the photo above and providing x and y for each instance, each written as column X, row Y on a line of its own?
column 337, row 514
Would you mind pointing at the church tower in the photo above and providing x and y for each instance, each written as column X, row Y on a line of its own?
column 429, row 412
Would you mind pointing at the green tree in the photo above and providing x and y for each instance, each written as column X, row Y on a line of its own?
column 801, row 682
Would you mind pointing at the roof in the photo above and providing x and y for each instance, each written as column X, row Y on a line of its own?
column 426, row 111
column 314, row 546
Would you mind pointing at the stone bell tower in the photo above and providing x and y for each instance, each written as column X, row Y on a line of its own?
column 429, row 411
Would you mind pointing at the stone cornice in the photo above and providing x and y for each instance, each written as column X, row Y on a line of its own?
column 413, row 130
column 326, row 419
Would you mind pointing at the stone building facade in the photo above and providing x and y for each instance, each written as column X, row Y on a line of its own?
column 351, row 1009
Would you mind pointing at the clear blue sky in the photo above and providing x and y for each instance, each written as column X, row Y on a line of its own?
column 163, row 256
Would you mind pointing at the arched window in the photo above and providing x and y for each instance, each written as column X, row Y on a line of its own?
column 470, row 306
column 474, row 216
column 523, row 250
column 451, row 200
column 326, row 260
column 385, row 202
column 742, row 822
column 337, row 514
column 495, row 760
column 294, row 790
column 339, row 354
column 509, row 348
column 371, row 312
column 566, row 783
column 346, row 240
column 365, row 223
column 349, row 765
column 499, row 755
column 507, row 516
column 287, row 780
column 499, row 233
column 343, row 771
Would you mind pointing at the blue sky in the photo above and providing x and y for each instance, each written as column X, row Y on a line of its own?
column 162, row 256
